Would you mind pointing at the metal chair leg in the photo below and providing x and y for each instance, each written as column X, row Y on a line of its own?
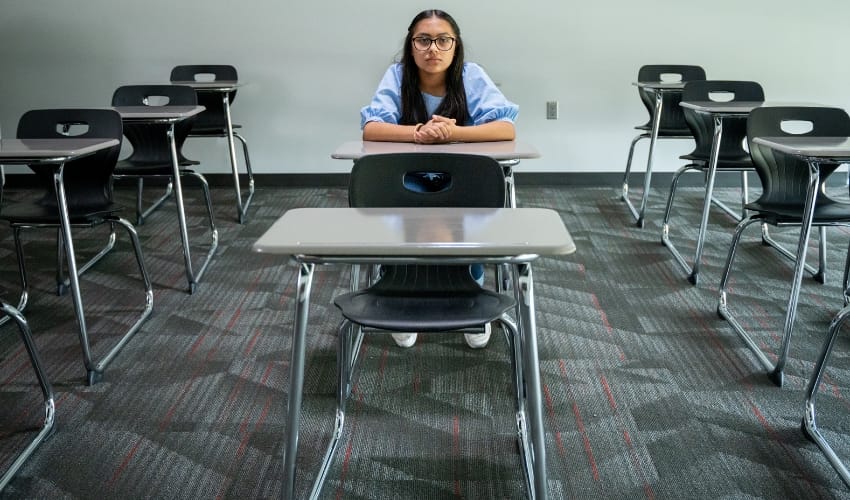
column 625, row 190
column 46, row 390
column 809, row 424
column 22, row 273
column 242, row 207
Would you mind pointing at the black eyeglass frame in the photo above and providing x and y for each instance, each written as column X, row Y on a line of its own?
column 433, row 41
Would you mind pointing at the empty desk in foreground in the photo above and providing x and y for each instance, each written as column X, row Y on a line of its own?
column 311, row 236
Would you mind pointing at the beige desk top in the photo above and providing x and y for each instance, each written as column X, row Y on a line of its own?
column 424, row 232
column 501, row 150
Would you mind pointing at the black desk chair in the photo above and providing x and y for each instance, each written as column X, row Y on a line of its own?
column 731, row 155
column 151, row 157
column 419, row 298
column 88, row 186
column 46, row 390
column 785, row 181
column 669, row 124
column 215, row 121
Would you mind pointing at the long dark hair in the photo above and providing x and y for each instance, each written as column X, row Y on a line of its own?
column 412, row 103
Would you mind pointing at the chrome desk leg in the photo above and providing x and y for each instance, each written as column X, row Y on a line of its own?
column 46, row 390
column 693, row 269
column 181, row 211
column 181, row 216
column 240, row 209
column 624, row 194
column 809, row 424
column 344, row 359
column 776, row 370
column 95, row 369
column 653, row 138
column 296, row 377
column 19, row 251
column 532, row 378
column 65, row 223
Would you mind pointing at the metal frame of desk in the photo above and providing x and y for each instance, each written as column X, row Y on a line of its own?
column 225, row 88
column 171, row 115
column 388, row 236
column 55, row 153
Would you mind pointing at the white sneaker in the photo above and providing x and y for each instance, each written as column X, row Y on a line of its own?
column 477, row 340
column 404, row 339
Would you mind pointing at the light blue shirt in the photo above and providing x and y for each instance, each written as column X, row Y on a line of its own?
column 485, row 101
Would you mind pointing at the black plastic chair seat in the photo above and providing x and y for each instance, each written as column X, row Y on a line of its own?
column 210, row 131
column 419, row 298
column 125, row 167
column 667, row 131
column 730, row 162
column 827, row 211
column 40, row 213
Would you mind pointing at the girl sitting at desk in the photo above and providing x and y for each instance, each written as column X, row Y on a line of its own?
column 432, row 96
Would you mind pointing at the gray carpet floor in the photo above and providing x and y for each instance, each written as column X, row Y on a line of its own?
column 648, row 393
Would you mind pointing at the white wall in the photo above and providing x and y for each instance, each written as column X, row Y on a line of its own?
column 309, row 68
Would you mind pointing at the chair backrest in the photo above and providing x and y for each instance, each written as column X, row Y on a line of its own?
column 87, row 180
column 672, row 119
column 426, row 180
column 784, row 178
column 149, row 141
column 213, row 117
column 702, row 124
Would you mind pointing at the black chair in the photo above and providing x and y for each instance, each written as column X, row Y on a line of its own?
column 47, row 391
column 420, row 297
column 786, row 180
column 215, row 121
column 666, row 121
column 731, row 155
column 152, row 158
column 88, row 187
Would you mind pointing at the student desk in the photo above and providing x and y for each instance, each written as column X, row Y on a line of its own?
column 171, row 115
column 814, row 150
column 311, row 236
column 225, row 88
column 507, row 153
column 55, row 153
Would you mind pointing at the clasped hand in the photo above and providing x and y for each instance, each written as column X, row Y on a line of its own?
column 437, row 130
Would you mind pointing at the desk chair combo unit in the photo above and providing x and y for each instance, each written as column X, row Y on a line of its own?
column 155, row 131
column 74, row 174
column 660, row 89
column 215, row 85
column 425, row 242
column 793, row 195
column 46, row 390
column 719, row 129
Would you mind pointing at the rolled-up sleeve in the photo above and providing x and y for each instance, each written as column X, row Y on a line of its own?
column 386, row 103
column 485, row 101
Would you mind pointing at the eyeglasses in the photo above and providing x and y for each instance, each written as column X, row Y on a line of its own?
column 443, row 43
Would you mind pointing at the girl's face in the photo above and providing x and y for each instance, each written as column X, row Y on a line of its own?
column 433, row 60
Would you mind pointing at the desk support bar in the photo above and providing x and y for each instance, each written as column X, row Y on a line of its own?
column 241, row 208
column 775, row 369
column 296, row 376
column 809, row 424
